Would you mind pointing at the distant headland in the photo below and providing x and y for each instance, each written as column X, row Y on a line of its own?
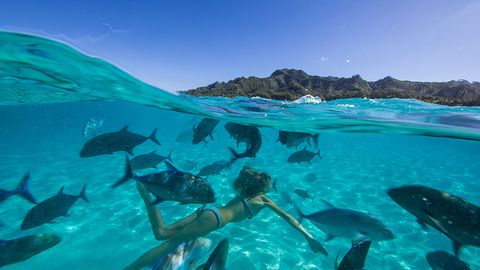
column 291, row 84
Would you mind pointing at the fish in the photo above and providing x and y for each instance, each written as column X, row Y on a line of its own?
column 23, row 248
column 293, row 139
column 150, row 160
column 355, row 257
column 303, row 156
column 172, row 185
column 218, row 259
column 214, row 168
column 311, row 177
column 348, row 223
column 184, row 256
column 186, row 136
column 21, row 190
column 109, row 143
column 52, row 208
column 440, row 260
column 303, row 193
column 203, row 130
column 249, row 135
column 453, row 216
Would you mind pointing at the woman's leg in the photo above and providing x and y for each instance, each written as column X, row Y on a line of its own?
column 159, row 229
column 202, row 226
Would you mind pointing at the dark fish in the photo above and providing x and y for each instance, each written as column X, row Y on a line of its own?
column 458, row 219
column 245, row 134
column 214, row 168
column 348, row 223
column 23, row 248
column 355, row 257
column 303, row 156
column 108, row 143
column 172, row 185
column 150, row 160
column 294, row 139
column 311, row 177
column 303, row 193
column 21, row 190
column 218, row 258
column 51, row 208
column 184, row 256
column 203, row 130
column 441, row 260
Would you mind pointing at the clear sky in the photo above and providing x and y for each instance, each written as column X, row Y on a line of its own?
column 178, row 45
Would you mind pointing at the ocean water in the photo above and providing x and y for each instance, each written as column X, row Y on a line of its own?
column 49, row 91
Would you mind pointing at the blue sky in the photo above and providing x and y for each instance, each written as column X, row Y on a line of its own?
column 178, row 45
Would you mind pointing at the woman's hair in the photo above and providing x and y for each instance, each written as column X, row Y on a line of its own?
column 250, row 182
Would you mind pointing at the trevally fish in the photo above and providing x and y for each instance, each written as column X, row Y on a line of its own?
column 441, row 260
column 185, row 256
column 51, row 208
column 249, row 135
column 108, row 143
column 214, row 168
column 355, row 257
column 172, row 185
column 348, row 223
column 453, row 216
column 21, row 190
column 218, row 259
column 23, row 248
column 150, row 160
column 203, row 130
column 294, row 139
column 303, row 156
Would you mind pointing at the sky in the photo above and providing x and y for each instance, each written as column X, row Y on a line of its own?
column 179, row 44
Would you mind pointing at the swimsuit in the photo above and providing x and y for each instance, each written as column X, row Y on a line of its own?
column 214, row 210
column 245, row 203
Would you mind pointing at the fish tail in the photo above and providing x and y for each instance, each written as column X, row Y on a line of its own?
column 126, row 176
column 300, row 213
column 22, row 189
column 153, row 138
column 234, row 156
column 169, row 157
column 83, row 194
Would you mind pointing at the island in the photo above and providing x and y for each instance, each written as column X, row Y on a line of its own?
column 291, row 84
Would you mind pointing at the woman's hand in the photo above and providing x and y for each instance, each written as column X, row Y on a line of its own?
column 316, row 247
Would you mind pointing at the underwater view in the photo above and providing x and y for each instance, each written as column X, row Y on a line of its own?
column 397, row 179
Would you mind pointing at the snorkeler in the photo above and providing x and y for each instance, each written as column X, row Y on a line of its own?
column 251, row 186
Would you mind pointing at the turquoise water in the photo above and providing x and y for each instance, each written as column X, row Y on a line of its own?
column 49, row 91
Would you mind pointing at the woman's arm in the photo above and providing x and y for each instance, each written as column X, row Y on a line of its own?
column 156, row 220
column 314, row 244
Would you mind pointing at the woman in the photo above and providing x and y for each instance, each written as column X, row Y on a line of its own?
column 251, row 186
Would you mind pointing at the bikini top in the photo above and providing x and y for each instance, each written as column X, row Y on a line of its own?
column 247, row 206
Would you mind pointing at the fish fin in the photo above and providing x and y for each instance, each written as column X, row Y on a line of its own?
column 422, row 224
column 456, row 248
column 153, row 138
column 61, row 190
column 170, row 166
column 304, row 148
column 127, row 174
column 336, row 265
column 153, row 152
column 329, row 237
column 124, row 129
column 169, row 157
column 315, row 140
column 211, row 137
column 157, row 201
column 130, row 152
column 234, row 155
column 205, row 141
column 318, row 154
column 23, row 191
column 328, row 203
column 83, row 194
